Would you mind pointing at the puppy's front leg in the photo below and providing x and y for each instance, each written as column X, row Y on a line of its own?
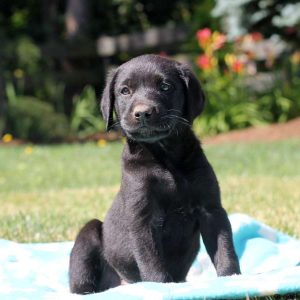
column 147, row 246
column 217, row 236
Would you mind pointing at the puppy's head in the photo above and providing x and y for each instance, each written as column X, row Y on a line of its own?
column 151, row 96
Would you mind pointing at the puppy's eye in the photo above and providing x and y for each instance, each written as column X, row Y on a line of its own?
column 125, row 91
column 165, row 87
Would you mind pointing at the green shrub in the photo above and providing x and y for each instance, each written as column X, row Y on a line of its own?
column 229, row 106
column 282, row 101
column 31, row 119
column 86, row 119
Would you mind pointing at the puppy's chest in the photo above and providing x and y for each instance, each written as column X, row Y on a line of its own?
column 176, row 202
column 177, row 226
column 174, row 187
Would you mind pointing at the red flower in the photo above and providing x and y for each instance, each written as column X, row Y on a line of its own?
column 205, row 62
column 203, row 36
column 256, row 36
column 290, row 30
column 237, row 66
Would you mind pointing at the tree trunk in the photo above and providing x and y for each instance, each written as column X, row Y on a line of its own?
column 3, row 106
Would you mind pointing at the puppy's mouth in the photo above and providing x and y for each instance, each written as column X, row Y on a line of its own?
column 149, row 134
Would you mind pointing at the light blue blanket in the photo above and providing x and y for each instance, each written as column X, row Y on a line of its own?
column 270, row 263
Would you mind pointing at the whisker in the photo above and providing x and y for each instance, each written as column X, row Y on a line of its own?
column 114, row 125
column 179, row 119
column 172, row 109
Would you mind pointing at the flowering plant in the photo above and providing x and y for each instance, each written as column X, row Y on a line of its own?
column 231, row 71
column 209, row 42
column 238, row 61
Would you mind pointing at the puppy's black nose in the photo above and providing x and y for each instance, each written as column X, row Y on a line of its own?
column 143, row 112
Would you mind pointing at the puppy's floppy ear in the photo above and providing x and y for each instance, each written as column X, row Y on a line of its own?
column 195, row 98
column 108, row 100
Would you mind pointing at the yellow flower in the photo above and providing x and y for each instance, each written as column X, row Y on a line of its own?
column 19, row 73
column 28, row 150
column 295, row 58
column 101, row 143
column 7, row 138
column 229, row 59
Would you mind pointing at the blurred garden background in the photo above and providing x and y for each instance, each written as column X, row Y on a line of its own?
column 58, row 167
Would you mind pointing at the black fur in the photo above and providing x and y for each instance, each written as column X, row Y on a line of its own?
column 169, row 193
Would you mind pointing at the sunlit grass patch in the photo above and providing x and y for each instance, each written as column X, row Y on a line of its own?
column 49, row 194
column 52, row 215
column 272, row 200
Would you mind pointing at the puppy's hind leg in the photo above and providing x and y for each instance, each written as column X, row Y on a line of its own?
column 88, row 271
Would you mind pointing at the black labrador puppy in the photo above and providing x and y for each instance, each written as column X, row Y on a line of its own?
column 169, row 193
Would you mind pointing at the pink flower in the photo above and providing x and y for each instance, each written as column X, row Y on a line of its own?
column 205, row 62
column 203, row 36
column 163, row 54
column 218, row 40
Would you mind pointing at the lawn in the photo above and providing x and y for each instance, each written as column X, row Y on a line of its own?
column 48, row 192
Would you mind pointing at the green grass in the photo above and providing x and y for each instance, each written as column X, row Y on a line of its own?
column 49, row 194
